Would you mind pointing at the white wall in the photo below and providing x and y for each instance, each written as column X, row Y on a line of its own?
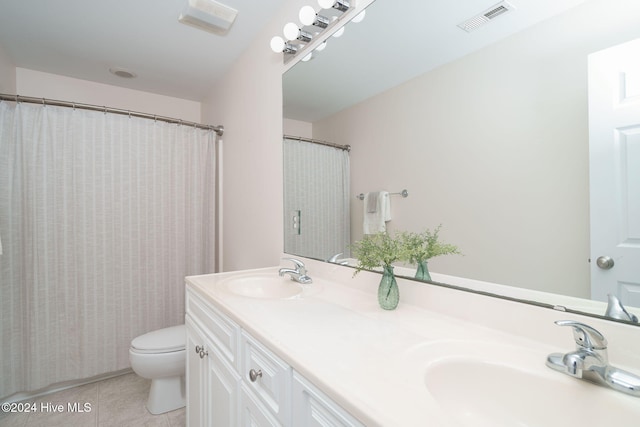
column 248, row 102
column 7, row 73
column 298, row 128
column 495, row 147
column 52, row 86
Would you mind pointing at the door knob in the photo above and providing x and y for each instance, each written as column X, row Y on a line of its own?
column 605, row 262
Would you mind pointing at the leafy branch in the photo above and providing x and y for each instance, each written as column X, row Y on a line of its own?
column 377, row 250
column 418, row 247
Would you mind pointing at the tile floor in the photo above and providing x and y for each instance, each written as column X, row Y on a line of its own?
column 113, row 402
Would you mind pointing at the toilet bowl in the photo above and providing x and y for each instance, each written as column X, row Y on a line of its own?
column 161, row 357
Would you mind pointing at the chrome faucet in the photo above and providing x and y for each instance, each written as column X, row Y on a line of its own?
column 298, row 274
column 336, row 259
column 590, row 361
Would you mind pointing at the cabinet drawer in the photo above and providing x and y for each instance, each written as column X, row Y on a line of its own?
column 311, row 407
column 271, row 381
column 219, row 328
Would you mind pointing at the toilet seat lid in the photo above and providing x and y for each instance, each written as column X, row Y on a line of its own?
column 161, row 341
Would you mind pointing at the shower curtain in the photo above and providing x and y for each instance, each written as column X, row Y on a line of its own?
column 101, row 217
column 316, row 183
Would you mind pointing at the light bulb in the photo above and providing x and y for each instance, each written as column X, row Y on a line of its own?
column 338, row 33
column 291, row 31
column 277, row 44
column 326, row 4
column 307, row 15
column 321, row 46
column 359, row 17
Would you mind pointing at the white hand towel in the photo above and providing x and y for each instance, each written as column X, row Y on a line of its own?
column 375, row 222
column 371, row 202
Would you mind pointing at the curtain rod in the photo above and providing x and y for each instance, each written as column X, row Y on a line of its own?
column 17, row 98
column 317, row 141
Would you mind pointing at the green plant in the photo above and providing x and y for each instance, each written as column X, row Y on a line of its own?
column 419, row 247
column 376, row 250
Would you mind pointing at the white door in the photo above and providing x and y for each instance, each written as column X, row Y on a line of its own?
column 614, row 145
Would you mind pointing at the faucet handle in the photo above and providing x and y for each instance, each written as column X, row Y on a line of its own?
column 334, row 259
column 585, row 336
column 299, row 264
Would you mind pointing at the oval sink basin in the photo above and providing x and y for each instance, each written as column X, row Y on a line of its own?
column 263, row 286
column 477, row 393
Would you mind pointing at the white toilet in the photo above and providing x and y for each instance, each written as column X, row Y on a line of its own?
column 161, row 357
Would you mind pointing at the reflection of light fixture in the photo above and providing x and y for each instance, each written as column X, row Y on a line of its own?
column 307, row 57
column 359, row 17
column 338, row 33
column 321, row 47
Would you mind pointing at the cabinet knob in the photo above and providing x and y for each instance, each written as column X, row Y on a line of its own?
column 254, row 375
column 201, row 351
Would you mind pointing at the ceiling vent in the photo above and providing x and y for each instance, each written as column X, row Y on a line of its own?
column 492, row 13
column 208, row 15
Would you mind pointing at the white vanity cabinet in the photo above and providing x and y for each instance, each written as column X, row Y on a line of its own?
column 233, row 379
column 213, row 382
column 312, row 408
column 267, row 379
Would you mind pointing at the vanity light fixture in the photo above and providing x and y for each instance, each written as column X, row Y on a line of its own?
column 292, row 32
column 278, row 45
column 341, row 5
column 308, row 16
column 290, row 48
column 296, row 37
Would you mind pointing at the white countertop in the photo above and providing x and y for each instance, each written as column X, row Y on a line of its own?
column 372, row 361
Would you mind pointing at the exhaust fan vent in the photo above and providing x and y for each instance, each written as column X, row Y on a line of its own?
column 208, row 15
column 486, row 16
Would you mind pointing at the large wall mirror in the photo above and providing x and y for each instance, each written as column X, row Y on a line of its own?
column 488, row 130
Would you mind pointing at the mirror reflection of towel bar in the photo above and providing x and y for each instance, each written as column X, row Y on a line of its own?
column 403, row 193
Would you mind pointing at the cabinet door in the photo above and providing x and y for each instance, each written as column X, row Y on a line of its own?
column 312, row 408
column 195, row 376
column 252, row 412
column 212, row 384
column 223, row 391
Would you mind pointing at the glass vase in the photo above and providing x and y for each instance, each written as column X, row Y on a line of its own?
column 388, row 292
column 422, row 272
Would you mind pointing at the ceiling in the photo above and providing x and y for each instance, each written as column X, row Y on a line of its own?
column 419, row 36
column 84, row 38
